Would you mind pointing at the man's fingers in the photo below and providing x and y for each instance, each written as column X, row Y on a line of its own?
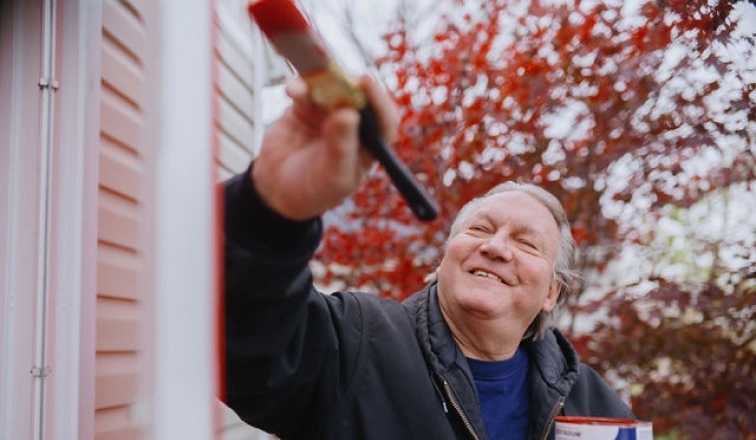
column 302, row 106
column 296, row 88
column 383, row 105
column 340, row 129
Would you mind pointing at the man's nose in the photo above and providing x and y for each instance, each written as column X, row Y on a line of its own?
column 497, row 247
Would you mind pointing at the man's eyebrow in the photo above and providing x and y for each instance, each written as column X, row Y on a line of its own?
column 481, row 215
column 519, row 226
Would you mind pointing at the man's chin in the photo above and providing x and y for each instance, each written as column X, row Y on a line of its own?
column 483, row 305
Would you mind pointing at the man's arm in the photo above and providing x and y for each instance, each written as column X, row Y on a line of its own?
column 285, row 342
column 273, row 351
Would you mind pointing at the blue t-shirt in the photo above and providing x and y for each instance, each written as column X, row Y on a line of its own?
column 503, row 393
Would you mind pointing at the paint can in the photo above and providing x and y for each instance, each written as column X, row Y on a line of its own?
column 601, row 428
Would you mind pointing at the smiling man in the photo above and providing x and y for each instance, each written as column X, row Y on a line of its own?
column 474, row 355
column 497, row 273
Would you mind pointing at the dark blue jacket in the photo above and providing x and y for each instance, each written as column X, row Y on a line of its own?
column 305, row 365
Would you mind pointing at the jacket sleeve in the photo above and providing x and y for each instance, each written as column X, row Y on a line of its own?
column 286, row 345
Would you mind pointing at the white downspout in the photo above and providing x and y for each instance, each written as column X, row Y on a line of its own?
column 48, row 85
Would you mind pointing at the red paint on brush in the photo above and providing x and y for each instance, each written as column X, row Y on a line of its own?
column 276, row 16
column 290, row 33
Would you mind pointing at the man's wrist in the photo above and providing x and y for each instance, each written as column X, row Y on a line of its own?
column 250, row 221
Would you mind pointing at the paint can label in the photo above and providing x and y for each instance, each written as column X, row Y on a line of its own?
column 601, row 428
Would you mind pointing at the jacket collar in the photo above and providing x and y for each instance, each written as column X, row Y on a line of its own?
column 555, row 360
column 439, row 348
column 554, row 364
column 553, row 356
column 445, row 359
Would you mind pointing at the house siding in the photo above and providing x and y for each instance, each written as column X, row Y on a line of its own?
column 117, row 371
column 236, row 93
column 243, row 70
column 124, row 161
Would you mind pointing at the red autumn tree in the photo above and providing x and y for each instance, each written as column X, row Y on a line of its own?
column 626, row 114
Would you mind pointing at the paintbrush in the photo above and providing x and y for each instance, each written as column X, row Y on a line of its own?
column 294, row 38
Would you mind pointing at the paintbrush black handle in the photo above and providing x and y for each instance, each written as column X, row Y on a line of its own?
column 370, row 135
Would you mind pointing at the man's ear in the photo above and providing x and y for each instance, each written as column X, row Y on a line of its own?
column 551, row 299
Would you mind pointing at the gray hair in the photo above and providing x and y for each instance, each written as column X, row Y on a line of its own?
column 563, row 272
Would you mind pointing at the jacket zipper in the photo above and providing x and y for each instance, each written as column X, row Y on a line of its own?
column 552, row 416
column 440, row 396
column 458, row 409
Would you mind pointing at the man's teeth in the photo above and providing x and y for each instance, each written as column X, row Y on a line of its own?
column 482, row 273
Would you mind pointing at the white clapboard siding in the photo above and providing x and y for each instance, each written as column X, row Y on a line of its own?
column 238, row 123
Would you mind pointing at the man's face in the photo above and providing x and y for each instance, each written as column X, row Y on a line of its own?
column 500, row 266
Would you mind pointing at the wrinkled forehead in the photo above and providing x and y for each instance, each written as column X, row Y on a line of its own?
column 518, row 208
